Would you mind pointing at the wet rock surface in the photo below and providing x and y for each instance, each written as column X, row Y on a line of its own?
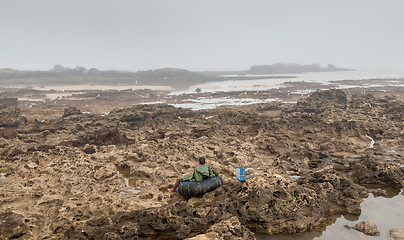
column 367, row 228
column 12, row 226
column 227, row 229
column 70, row 111
column 397, row 234
column 322, row 100
column 11, row 117
column 305, row 162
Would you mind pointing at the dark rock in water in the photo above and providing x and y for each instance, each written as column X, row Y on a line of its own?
column 70, row 111
column 12, row 226
column 397, row 234
column 227, row 229
column 348, row 227
column 367, row 228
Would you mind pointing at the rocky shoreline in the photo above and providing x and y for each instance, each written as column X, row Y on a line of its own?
column 306, row 161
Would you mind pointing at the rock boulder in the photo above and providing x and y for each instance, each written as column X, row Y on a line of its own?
column 397, row 234
column 367, row 228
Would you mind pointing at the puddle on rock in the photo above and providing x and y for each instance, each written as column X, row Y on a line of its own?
column 386, row 212
column 294, row 177
column 130, row 181
column 202, row 103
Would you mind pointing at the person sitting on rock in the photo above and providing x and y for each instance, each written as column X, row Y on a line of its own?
column 201, row 172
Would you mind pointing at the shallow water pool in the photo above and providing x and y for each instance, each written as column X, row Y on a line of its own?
column 385, row 212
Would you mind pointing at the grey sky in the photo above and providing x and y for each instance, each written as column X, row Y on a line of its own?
column 200, row 35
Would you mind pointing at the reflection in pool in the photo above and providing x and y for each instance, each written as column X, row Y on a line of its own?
column 211, row 103
column 130, row 181
column 385, row 212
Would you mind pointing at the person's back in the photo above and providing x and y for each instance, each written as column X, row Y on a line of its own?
column 202, row 172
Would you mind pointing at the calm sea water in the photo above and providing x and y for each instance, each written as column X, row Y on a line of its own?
column 320, row 77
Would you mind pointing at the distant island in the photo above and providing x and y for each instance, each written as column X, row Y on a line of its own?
column 173, row 77
column 280, row 68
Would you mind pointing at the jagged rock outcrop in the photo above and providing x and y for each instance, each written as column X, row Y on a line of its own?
column 106, row 176
column 12, row 226
column 10, row 117
column 322, row 100
column 226, row 229
column 8, row 102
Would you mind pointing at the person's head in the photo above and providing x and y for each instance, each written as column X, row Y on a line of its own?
column 202, row 160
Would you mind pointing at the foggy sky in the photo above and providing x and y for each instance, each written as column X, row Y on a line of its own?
column 200, row 35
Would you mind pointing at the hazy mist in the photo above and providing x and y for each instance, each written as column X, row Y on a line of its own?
column 200, row 35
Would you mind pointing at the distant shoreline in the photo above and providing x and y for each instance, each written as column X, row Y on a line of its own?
column 170, row 77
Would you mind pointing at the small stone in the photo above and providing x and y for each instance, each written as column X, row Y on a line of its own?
column 348, row 227
column 3, row 143
column 397, row 234
column 89, row 149
column 69, row 111
column 367, row 228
